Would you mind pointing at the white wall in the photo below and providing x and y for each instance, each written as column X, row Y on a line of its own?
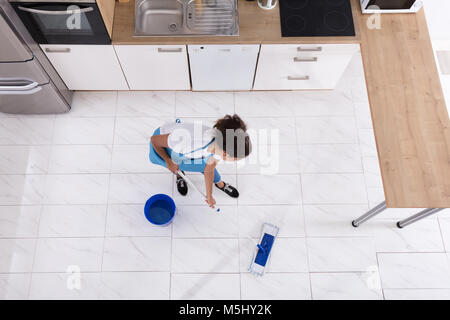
column 438, row 19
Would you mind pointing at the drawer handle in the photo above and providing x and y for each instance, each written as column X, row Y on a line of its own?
column 298, row 78
column 62, row 50
column 162, row 50
column 56, row 13
column 300, row 49
column 17, row 85
column 20, row 92
column 313, row 59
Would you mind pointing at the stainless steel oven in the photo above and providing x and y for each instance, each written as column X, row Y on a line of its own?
column 63, row 22
column 28, row 82
column 391, row 6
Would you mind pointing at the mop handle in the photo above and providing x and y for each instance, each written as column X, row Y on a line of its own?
column 191, row 183
column 193, row 186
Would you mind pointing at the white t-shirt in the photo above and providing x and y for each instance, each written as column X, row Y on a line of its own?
column 186, row 137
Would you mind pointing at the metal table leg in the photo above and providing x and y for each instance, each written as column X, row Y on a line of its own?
column 418, row 216
column 369, row 214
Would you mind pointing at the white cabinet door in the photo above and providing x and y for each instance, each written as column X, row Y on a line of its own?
column 87, row 67
column 149, row 67
column 302, row 67
column 223, row 67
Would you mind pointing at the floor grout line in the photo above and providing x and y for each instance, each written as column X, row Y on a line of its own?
column 379, row 275
column 171, row 261
column 37, row 237
column 238, row 221
column 109, row 183
column 304, row 218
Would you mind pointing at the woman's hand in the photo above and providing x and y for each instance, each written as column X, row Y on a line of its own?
column 210, row 201
column 172, row 166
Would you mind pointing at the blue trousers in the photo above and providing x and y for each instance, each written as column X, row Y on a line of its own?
column 184, row 163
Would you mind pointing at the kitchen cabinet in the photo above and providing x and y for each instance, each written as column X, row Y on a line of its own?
column 154, row 67
column 87, row 67
column 302, row 66
column 222, row 67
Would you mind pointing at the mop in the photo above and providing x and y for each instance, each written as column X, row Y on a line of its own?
column 262, row 251
column 193, row 186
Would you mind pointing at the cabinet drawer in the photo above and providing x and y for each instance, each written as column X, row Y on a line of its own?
column 294, row 81
column 308, row 49
column 152, row 49
column 292, row 58
column 296, row 67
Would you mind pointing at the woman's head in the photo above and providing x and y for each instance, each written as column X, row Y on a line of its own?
column 232, row 138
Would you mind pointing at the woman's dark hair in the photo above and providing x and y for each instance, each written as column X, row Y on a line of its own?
column 233, row 137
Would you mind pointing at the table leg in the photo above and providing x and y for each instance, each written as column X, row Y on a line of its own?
column 418, row 216
column 369, row 214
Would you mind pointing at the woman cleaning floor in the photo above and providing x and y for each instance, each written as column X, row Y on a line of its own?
column 193, row 147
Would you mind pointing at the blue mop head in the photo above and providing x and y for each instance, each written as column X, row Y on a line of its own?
column 264, row 249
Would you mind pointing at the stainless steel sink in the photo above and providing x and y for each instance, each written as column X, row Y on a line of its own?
column 186, row 17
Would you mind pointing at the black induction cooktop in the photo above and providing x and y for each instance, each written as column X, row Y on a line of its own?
column 316, row 18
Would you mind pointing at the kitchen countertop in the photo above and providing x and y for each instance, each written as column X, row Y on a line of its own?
column 255, row 26
column 410, row 119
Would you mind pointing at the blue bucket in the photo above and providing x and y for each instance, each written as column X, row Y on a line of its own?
column 160, row 209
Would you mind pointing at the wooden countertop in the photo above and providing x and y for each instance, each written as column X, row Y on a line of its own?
column 410, row 119
column 409, row 115
column 255, row 26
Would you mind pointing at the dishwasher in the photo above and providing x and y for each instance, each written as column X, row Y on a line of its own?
column 222, row 67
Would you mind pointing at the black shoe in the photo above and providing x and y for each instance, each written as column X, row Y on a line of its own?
column 229, row 190
column 182, row 186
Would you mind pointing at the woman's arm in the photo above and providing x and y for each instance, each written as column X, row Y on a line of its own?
column 159, row 142
column 209, row 179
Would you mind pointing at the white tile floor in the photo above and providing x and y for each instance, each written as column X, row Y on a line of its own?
column 72, row 189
